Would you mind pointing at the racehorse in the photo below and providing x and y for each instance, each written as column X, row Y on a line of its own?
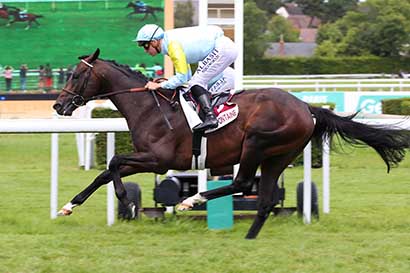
column 26, row 17
column 143, row 10
column 272, row 128
column 5, row 11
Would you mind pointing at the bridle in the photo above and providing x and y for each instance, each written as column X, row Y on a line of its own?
column 79, row 100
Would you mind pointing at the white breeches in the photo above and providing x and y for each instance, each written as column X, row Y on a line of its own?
column 216, row 66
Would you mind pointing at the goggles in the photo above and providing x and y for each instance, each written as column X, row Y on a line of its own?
column 144, row 44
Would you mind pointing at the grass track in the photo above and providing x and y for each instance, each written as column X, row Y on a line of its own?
column 67, row 33
column 366, row 231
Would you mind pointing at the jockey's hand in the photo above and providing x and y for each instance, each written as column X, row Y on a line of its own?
column 152, row 86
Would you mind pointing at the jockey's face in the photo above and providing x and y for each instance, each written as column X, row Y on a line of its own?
column 153, row 47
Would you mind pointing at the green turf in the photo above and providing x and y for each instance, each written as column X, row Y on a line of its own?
column 68, row 32
column 366, row 231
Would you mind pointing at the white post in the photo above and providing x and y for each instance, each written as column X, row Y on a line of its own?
column 203, row 12
column 239, row 44
column 326, row 173
column 202, row 180
column 235, row 170
column 54, row 176
column 110, row 186
column 307, row 183
column 88, row 154
column 80, row 148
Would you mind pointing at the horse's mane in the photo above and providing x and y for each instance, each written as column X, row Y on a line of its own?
column 126, row 69
column 123, row 68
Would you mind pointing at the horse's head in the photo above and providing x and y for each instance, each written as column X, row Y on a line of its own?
column 83, row 84
column 129, row 5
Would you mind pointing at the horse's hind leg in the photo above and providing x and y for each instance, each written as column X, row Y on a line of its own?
column 268, row 189
column 243, row 183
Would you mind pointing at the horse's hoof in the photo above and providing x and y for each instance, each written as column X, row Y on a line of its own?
column 184, row 207
column 132, row 211
column 64, row 212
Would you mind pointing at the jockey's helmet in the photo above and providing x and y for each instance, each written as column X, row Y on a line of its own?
column 149, row 32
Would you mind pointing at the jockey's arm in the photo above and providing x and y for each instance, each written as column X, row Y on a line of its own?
column 182, row 68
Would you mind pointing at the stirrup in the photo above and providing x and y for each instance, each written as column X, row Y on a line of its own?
column 207, row 124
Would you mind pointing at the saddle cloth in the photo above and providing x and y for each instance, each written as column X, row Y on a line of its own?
column 225, row 111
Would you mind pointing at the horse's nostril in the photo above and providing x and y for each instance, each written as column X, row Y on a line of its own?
column 57, row 106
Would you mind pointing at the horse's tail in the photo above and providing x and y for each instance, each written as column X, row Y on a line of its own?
column 388, row 142
column 38, row 16
column 157, row 9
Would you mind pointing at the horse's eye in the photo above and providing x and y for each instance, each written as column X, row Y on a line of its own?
column 75, row 76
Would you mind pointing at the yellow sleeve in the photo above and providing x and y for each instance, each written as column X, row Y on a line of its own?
column 177, row 55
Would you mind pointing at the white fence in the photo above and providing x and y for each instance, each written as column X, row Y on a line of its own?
column 56, row 126
column 336, row 84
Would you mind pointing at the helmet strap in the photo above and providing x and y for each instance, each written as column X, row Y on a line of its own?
column 157, row 48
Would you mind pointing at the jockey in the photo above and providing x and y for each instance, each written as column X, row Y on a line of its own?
column 22, row 13
column 207, row 46
column 140, row 4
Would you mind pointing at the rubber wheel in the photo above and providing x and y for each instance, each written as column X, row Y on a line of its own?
column 134, row 195
column 299, row 200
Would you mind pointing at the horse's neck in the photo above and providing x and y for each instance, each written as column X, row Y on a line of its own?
column 130, row 105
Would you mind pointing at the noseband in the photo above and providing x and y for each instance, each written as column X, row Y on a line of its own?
column 78, row 98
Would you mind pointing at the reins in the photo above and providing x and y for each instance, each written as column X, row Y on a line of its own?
column 79, row 100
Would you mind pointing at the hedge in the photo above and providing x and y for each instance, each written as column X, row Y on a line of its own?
column 399, row 106
column 318, row 65
column 123, row 143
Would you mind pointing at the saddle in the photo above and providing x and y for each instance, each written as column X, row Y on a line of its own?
column 225, row 111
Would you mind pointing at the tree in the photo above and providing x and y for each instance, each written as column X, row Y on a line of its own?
column 335, row 9
column 312, row 7
column 377, row 27
column 278, row 26
column 270, row 6
column 183, row 14
column 255, row 22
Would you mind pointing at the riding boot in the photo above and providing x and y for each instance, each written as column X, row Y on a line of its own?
column 201, row 97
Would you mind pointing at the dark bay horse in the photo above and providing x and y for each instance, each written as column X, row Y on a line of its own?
column 5, row 12
column 147, row 10
column 27, row 17
column 272, row 128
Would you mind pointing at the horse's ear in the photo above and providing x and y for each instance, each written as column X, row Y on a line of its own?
column 95, row 55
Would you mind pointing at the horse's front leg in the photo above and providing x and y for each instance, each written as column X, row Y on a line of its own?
column 141, row 162
column 145, row 16
column 100, row 180
column 153, row 15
